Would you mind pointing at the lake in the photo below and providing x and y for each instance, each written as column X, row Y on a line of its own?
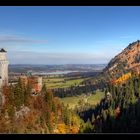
column 53, row 73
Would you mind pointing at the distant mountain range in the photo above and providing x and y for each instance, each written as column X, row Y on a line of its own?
column 17, row 68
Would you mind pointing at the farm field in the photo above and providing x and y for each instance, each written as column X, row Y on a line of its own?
column 61, row 82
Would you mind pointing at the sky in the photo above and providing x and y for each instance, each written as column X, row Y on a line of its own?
column 67, row 34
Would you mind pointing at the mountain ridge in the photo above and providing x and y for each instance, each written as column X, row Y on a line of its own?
column 126, row 61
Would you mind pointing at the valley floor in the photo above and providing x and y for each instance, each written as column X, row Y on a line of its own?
column 91, row 99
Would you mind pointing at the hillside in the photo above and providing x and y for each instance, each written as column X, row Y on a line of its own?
column 128, row 60
column 119, row 111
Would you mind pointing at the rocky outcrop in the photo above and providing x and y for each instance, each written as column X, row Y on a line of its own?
column 22, row 112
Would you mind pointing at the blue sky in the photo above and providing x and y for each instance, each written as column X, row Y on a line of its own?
column 67, row 34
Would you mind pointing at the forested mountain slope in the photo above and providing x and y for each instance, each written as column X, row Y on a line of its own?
column 128, row 60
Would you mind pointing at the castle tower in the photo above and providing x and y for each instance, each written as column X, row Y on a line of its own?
column 3, row 68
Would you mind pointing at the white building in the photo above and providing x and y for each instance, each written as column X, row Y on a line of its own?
column 3, row 68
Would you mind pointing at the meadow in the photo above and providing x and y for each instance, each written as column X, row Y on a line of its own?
column 91, row 99
column 61, row 82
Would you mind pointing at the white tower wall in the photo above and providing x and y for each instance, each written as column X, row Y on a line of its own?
column 3, row 69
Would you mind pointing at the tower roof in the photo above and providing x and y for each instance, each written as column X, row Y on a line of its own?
column 2, row 50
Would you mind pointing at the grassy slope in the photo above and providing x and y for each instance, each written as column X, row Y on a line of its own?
column 93, row 99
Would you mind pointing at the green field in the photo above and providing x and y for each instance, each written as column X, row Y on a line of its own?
column 61, row 82
column 93, row 99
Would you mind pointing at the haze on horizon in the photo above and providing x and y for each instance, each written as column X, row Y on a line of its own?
column 67, row 35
